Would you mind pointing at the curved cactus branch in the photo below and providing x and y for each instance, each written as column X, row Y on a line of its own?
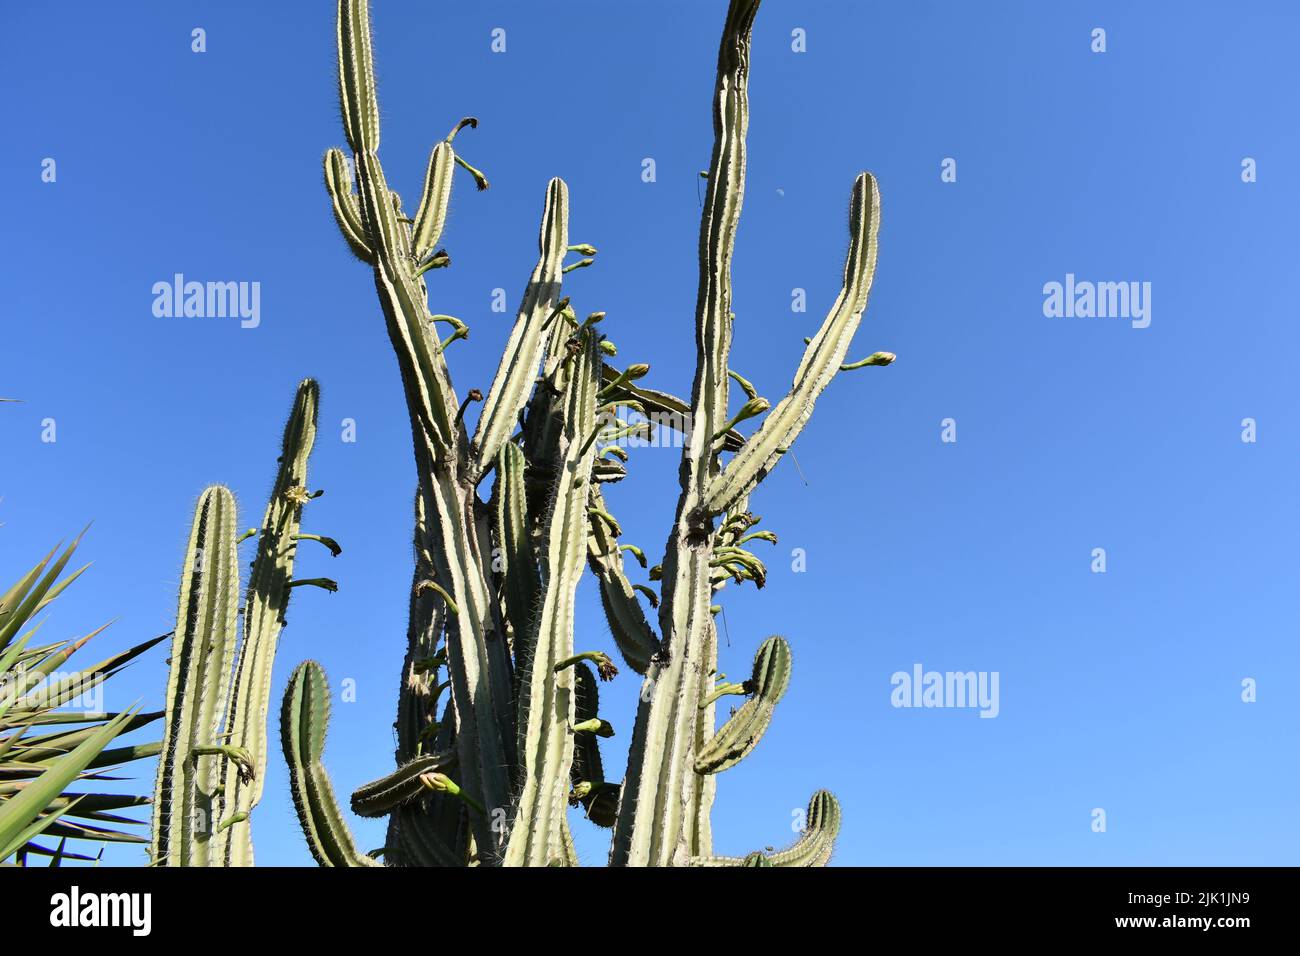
column 635, row 638
column 813, row 848
column 304, row 718
column 821, row 360
column 380, row 797
column 741, row 734
column 347, row 213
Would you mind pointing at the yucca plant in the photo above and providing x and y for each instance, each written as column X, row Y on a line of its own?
column 53, row 734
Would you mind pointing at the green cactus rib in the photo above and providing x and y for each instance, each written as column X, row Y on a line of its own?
column 633, row 635
column 651, row 829
column 741, row 734
column 523, row 352
column 821, row 360
column 520, row 581
column 304, row 719
column 382, row 796
column 269, row 585
column 347, row 212
column 813, row 848
column 538, row 832
column 599, row 799
column 203, row 647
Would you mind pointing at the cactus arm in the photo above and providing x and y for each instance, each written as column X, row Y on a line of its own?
column 821, row 360
column 514, row 535
column 203, row 646
column 347, row 213
column 269, row 585
column 380, row 797
column 659, row 786
column 741, row 734
column 523, row 353
column 703, row 787
column 813, row 848
column 434, row 200
column 537, row 835
column 424, row 375
column 304, row 718
column 635, row 638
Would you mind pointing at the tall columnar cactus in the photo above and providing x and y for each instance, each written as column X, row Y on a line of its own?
column 486, row 776
column 213, row 757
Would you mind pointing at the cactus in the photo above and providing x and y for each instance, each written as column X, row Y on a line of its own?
column 213, row 759
column 486, row 776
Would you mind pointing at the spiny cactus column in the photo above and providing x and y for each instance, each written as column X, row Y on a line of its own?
column 203, row 646
column 304, row 719
column 486, row 781
column 662, row 786
column 213, row 763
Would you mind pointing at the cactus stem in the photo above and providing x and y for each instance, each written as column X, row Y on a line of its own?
column 604, row 665
column 330, row 543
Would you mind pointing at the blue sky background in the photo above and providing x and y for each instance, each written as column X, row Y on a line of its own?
column 1119, row 690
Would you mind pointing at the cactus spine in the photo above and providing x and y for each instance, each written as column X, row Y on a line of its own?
column 484, row 777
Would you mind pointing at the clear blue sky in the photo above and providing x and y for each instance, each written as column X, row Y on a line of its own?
column 1119, row 690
